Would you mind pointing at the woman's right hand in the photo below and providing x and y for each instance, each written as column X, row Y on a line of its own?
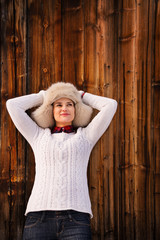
column 43, row 94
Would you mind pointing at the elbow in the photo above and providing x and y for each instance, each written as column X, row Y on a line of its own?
column 9, row 104
column 115, row 105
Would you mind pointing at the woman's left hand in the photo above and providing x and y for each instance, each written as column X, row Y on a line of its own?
column 81, row 93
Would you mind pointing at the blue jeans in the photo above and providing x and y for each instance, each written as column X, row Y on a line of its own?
column 57, row 225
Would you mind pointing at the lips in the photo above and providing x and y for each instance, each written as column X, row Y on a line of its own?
column 64, row 114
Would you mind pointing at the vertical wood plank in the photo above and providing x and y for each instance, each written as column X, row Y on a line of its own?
column 156, row 121
column 72, row 42
column 127, row 108
column 8, row 146
column 18, row 179
column 144, row 166
column 44, row 43
column 141, row 74
column 150, row 160
column 90, row 48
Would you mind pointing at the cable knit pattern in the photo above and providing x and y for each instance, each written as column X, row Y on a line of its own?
column 61, row 158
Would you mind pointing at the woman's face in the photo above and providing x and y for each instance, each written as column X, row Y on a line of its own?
column 63, row 112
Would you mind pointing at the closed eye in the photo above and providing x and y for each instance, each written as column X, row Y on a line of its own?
column 70, row 104
column 58, row 105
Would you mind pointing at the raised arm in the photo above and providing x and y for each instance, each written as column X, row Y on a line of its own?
column 17, row 107
column 107, row 108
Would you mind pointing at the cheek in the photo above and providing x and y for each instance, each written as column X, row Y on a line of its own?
column 54, row 112
column 74, row 112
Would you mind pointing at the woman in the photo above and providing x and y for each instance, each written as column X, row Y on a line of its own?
column 62, row 138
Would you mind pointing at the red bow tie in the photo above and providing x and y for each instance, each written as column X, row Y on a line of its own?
column 66, row 129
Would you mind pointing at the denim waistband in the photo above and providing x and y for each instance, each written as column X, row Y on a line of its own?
column 52, row 214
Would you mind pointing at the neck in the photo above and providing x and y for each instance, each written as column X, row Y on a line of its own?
column 63, row 125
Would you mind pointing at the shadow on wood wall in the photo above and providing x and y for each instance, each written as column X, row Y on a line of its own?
column 109, row 48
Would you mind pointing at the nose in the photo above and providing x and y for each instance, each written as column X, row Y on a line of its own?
column 64, row 108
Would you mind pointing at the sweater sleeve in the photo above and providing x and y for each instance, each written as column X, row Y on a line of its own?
column 107, row 108
column 17, row 107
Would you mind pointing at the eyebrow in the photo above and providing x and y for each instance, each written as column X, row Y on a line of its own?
column 61, row 102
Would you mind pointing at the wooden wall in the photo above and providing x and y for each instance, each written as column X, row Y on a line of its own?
column 106, row 47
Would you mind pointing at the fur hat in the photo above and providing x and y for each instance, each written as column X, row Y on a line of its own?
column 43, row 115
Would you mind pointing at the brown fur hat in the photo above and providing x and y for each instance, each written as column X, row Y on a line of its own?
column 43, row 115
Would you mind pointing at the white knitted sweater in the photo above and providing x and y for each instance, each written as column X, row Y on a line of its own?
column 61, row 158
